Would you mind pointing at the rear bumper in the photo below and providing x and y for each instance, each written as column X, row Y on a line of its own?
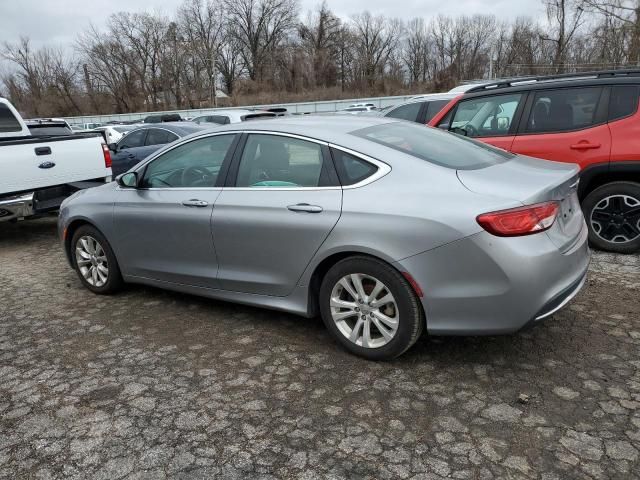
column 487, row 285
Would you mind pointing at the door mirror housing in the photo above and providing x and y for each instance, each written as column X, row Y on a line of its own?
column 113, row 147
column 128, row 180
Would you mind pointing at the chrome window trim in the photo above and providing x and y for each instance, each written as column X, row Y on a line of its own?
column 383, row 168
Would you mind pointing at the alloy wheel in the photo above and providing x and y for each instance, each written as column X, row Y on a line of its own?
column 616, row 219
column 364, row 310
column 92, row 261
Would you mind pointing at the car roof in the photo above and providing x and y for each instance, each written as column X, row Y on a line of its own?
column 431, row 96
column 587, row 79
column 179, row 128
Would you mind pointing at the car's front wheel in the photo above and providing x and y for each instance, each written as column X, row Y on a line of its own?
column 370, row 308
column 612, row 212
column 94, row 261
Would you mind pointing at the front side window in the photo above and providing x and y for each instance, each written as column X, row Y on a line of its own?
column 623, row 101
column 133, row 140
column 435, row 146
column 195, row 164
column 486, row 116
column 279, row 161
column 157, row 136
column 563, row 110
column 8, row 122
column 406, row 112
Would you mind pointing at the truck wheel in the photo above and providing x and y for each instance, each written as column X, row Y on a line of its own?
column 612, row 212
column 94, row 261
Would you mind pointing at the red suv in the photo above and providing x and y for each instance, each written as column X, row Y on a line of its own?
column 590, row 119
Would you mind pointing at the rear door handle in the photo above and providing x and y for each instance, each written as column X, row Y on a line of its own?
column 195, row 203
column 585, row 146
column 42, row 150
column 305, row 207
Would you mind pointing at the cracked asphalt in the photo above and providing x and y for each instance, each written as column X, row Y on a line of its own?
column 151, row 384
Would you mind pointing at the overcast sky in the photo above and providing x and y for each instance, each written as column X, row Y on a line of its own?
column 57, row 22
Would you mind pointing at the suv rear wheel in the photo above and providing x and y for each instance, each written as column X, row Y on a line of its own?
column 612, row 212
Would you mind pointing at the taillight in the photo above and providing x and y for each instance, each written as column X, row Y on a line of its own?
column 107, row 156
column 520, row 221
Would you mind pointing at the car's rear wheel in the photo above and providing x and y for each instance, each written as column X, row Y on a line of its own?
column 370, row 308
column 612, row 212
column 94, row 261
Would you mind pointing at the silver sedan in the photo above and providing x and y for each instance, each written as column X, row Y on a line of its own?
column 384, row 228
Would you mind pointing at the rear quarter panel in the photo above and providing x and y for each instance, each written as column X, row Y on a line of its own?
column 625, row 139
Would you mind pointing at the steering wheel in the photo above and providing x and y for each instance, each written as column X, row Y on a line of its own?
column 470, row 130
column 196, row 173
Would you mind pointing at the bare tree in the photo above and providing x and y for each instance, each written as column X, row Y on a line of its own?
column 259, row 27
column 565, row 17
column 416, row 50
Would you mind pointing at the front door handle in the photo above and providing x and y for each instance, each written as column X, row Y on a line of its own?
column 584, row 145
column 42, row 151
column 194, row 202
column 305, row 207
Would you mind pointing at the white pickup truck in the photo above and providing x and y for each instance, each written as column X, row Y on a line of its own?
column 37, row 172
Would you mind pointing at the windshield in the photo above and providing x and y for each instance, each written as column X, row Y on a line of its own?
column 49, row 130
column 435, row 146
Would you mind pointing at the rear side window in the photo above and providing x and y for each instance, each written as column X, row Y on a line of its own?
column 134, row 139
column 8, row 122
column 157, row 136
column 435, row 146
column 433, row 108
column 351, row 169
column 563, row 110
column 623, row 101
column 406, row 112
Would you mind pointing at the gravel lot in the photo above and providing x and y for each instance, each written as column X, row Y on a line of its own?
column 153, row 384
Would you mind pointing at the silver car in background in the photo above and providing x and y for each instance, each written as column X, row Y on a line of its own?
column 383, row 227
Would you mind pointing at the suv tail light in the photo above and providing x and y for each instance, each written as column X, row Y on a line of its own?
column 520, row 221
column 107, row 156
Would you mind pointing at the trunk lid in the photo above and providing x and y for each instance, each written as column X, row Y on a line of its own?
column 530, row 180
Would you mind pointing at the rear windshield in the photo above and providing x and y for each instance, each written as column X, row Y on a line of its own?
column 49, row 130
column 436, row 146
column 257, row 116
column 8, row 122
column 123, row 129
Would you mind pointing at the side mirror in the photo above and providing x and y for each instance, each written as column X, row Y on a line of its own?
column 128, row 180
column 113, row 147
column 459, row 131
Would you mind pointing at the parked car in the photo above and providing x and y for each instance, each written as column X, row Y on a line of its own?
column 43, row 162
column 163, row 118
column 41, row 127
column 356, row 109
column 383, row 227
column 224, row 117
column 420, row 109
column 142, row 141
column 114, row 133
column 80, row 127
column 588, row 119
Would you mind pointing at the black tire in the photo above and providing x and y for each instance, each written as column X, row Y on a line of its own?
column 594, row 199
column 410, row 316
column 114, row 280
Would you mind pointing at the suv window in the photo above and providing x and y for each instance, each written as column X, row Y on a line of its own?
column 486, row 116
column 193, row 164
column 8, row 122
column 435, row 146
column 434, row 108
column 623, row 101
column 351, row 169
column 409, row 111
column 157, row 136
column 133, row 140
column 563, row 110
column 278, row 161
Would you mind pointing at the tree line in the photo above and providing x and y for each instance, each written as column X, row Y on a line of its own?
column 262, row 51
